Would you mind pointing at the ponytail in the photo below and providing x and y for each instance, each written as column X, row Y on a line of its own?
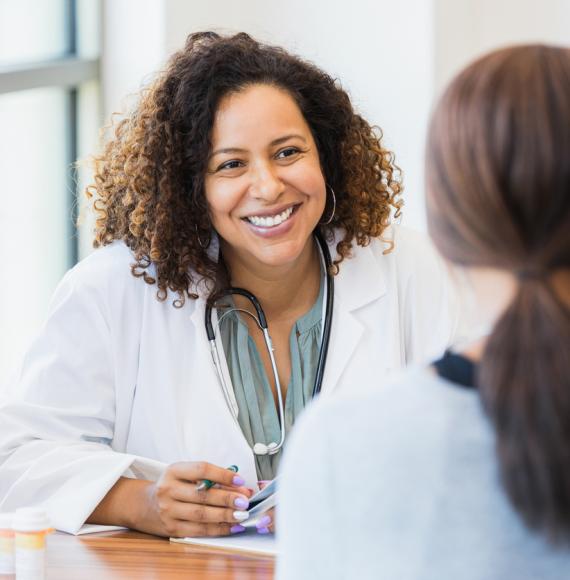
column 524, row 379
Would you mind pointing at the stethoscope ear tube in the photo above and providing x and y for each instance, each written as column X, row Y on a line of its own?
column 328, row 316
column 261, row 320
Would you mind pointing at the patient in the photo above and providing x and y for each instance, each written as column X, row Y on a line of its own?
column 461, row 471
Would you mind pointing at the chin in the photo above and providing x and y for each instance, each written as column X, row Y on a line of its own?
column 279, row 255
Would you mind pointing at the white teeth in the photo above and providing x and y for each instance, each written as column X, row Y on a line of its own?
column 271, row 221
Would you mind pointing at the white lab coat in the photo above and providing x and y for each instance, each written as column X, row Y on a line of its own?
column 118, row 383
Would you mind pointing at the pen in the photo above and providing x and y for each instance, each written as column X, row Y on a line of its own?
column 207, row 484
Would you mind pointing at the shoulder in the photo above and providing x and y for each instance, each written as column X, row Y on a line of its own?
column 404, row 251
column 102, row 276
column 110, row 261
column 413, row 252
column 414, row 401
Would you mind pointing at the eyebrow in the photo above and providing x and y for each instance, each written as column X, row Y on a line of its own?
column 273, row 143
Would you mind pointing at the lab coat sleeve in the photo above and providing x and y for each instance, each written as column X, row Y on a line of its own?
column 430, row 310
column 307, row 502
column 57, row 423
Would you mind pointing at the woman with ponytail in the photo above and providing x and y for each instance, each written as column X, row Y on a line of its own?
column 471, row 470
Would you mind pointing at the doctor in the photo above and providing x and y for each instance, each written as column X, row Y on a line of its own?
column 235, row 159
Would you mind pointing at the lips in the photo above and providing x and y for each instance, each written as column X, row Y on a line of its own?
column 272, row 220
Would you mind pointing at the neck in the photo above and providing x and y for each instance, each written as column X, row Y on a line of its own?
column 474, row 352
column 283, row 291
column 491, row 291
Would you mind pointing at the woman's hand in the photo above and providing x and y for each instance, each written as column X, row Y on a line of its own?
column 172, row 506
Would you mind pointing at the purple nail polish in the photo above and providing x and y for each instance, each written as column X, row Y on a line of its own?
column 237, row 529
column 241, row 503
column 263, row 522
column 237, row 480
column 262, row 530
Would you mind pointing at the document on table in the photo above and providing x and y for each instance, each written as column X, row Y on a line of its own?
column 249, row 541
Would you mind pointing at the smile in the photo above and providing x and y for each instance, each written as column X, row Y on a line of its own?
column 271, row 221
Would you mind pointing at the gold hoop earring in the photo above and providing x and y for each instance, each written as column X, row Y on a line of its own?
column 333, row 209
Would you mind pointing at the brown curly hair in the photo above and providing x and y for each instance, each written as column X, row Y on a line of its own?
column 149, row 178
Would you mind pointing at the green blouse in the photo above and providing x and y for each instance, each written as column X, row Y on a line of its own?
column 257, row 414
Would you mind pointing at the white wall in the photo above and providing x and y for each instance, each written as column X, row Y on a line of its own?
column 393, row 57
column 132, row 48
column 382, row 56
column 465, row 29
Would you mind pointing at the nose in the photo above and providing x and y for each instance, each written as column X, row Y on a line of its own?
column 266, row 183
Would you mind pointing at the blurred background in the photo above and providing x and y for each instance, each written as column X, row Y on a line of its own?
column 67, row 65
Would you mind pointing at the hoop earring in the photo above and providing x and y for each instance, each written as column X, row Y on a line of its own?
column 333, row 209
column 203, row 245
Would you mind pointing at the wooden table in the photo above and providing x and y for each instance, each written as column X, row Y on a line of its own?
column 126, row 554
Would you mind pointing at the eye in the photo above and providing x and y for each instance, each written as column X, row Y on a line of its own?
column 232, row 164
column 287, row 152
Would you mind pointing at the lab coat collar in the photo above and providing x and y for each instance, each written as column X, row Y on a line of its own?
column 361, row 278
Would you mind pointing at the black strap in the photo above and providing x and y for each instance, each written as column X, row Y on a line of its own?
column 456, row 369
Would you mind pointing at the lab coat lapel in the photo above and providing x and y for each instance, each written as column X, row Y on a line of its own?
column 360, row 281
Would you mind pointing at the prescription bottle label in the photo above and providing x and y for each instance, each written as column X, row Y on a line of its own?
column 31, row 541
column 30, row 555
column 6, row 552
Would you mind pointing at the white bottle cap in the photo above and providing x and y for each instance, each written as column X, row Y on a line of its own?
column 6, row 520
column 31, row 520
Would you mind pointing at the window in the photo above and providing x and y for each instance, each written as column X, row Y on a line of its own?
column 48, row 119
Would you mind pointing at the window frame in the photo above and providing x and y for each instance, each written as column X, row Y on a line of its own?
column 69, row 72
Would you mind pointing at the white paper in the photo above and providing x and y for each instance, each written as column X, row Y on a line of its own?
column 248, row 541
column 94, row 528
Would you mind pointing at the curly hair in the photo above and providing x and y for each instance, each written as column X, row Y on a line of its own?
column 148, row 185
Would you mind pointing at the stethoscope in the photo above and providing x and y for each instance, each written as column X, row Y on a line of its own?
column 274, row 447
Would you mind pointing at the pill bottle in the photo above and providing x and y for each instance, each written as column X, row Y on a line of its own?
column 7, row 569
column 31, row 526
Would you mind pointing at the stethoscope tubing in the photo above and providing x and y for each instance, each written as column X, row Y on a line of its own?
column 273, row 448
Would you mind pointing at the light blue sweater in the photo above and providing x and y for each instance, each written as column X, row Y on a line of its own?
column 401, row 483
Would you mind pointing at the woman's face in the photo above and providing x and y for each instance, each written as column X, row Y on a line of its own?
column 264, row 185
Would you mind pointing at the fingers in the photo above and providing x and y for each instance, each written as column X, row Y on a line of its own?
column 266, row 524
column 183, row 529
column 200, row 470
column 189, row 493
column 247, row 491
column 183, row 510
column 199, row 513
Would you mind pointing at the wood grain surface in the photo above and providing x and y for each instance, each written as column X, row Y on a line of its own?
column 126, row 554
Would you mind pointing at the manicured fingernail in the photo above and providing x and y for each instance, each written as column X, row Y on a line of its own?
column 237, row 529
column 241, row 503
column 262, row 530
column 241, row 516
column 237, row 480
column 263, row 522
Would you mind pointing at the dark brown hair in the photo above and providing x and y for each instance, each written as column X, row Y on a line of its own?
column 149, row 179
column 498, row 172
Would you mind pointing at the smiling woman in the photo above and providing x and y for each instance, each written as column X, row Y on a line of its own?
column 236, row 159
column 187, row 131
